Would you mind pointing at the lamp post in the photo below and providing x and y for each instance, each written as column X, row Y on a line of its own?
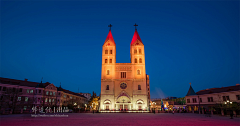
column 228, row 103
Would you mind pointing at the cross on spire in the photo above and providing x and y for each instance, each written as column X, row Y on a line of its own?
column 135, row 26
column 110, row 27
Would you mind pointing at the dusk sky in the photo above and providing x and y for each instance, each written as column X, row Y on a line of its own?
column 185, row 41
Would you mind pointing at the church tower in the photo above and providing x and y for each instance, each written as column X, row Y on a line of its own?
column 124, row 86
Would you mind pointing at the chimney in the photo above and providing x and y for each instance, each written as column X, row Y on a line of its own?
column 25, row 79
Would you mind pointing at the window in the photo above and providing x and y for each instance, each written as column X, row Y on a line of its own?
column 135, row 60
column 53, row 93
column 105, row 60
column 238, row 97
column 110, row 51
column 25, row 108
column 39, row 91
column 4, row 88
column 49, row 100
column 140, row 51
column 226, row 98
column 27, row 90
column 26, row 99
column 70, row 97
column 14, row 89
column 46, row 100
column 52, row 100
column 138, row 72
column 200, row 99
column 0, row 88
column 38, row 99
column 194, row 100
column 106, row 51
column 20, row 90
column 135, row 51
column 107, row 88
column 19, row 99
column 50, row 93
column 59, row 94
column 123, row 74
column 64, row 96
column 210, row 99
column 139, row 87
column 47, row 93
column 110, row 61
column 140, row 60
column 108, row 72
column 31, row 91
column 188, row 100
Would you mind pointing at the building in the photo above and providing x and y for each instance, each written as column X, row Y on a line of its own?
column 87, row 95
column 124, row 86
column 216, row 100
column 20, row 96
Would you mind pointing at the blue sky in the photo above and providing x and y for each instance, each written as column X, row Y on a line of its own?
column 61, row 41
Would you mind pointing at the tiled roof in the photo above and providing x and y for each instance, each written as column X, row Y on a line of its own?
column 219, row 90
column 21, row 82
column 70, row 92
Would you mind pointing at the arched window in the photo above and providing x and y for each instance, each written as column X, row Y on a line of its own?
column 140, row 60
column 106, row 61
column 135, row 60
column 108, row 72
column 106, row 51
column 138, row 72
column 110, row 51
column 110, row 61
column 140, row 51
column 135, row 51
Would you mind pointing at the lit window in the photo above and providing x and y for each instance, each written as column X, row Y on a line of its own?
column 27, row 90
column 50, row 93
column 47, row 93
column 25, row 108
column 107, row 87
column 64, row 96
column 26, row 99
column 138, row 72
column 106, row 61
column 70, row 97
column 49, row 100
column 135, row 60
column 19, row 98
column 110, row 61
column 31, row 91
column 52, row 100
column 140, row 51
column 139, row 87
column 106, row 51
column 108, row 72
column 53, row 93
column 46, row 100
column 110, row 51
column 140, row 60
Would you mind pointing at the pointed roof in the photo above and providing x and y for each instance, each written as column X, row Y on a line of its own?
column 109, row 37
column 191, row 91
column 136, row 37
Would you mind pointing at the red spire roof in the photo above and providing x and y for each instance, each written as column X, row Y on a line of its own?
column 136, row 37
column 109, row 37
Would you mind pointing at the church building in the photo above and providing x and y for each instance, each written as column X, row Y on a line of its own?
column 124, row 86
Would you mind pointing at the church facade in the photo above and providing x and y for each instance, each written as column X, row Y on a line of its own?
column 124, row 86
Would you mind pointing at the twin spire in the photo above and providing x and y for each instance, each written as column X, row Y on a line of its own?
column 134, row 39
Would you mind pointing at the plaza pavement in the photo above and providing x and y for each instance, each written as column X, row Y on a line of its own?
column 118, row 119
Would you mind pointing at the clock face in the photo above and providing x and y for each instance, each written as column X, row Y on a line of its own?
column 123, row 85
